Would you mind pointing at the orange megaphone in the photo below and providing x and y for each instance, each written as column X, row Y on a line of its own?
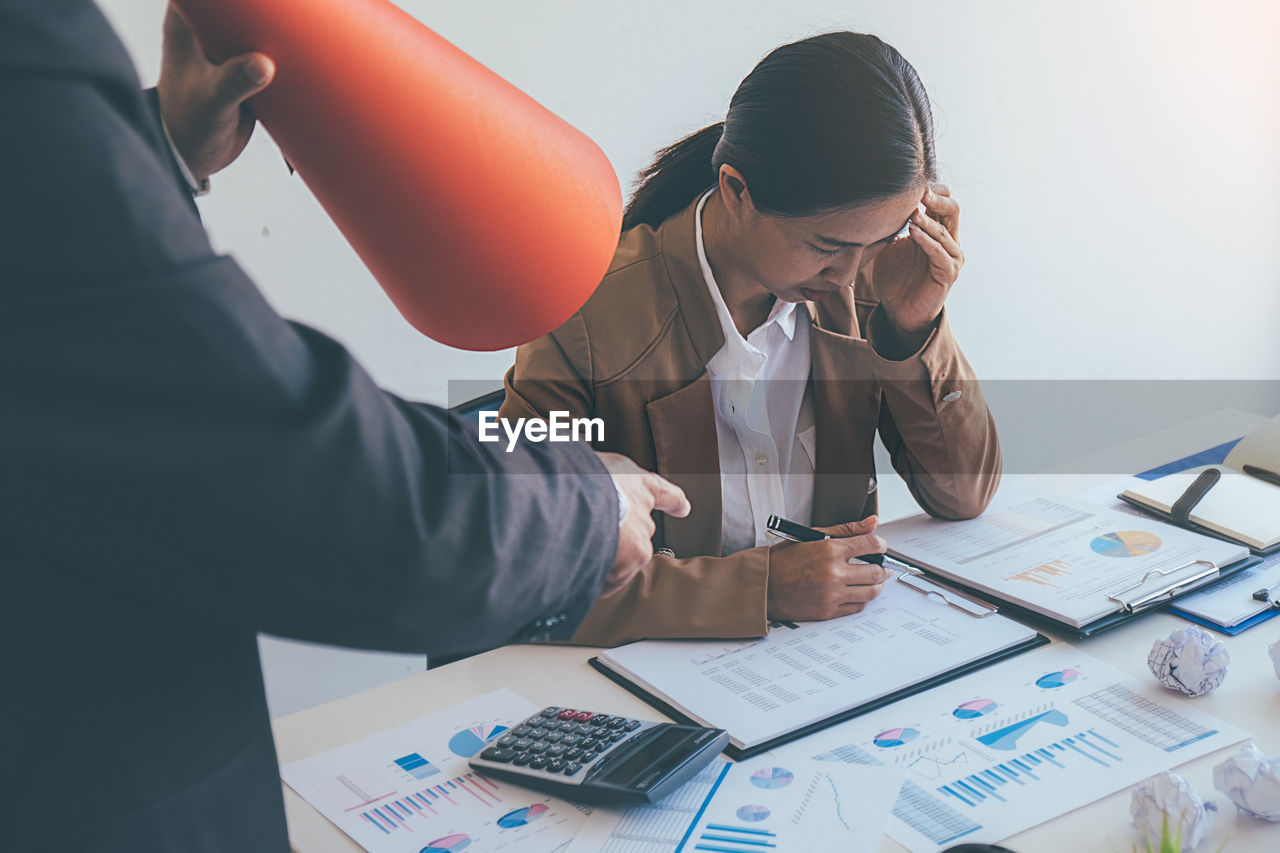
column 485, row 217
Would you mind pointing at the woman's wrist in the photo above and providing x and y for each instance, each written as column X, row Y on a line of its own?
column 895, row 343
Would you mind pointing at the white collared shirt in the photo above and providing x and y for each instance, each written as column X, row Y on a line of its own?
column 764, row 417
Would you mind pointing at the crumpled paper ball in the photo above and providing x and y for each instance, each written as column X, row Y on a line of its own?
column 1251, row 781
column 1274, row 651
column 1191, row 660
column 1168, row 798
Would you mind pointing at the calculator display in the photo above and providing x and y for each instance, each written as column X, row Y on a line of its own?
column 645, row 757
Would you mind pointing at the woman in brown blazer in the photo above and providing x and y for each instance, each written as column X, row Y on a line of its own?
column 775, row 300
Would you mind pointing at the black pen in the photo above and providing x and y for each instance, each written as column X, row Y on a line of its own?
column 1263, row 474
column 782, row 528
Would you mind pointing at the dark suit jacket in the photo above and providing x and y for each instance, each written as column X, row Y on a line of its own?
column 181, row 469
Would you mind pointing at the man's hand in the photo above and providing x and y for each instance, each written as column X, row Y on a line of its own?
column 646, row 492
column 203, row 104
column 810, row 581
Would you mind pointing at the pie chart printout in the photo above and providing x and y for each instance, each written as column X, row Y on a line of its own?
column 468, row 742
column 1126, row 543
column 894, row 737
column 1057, row 679
column 448, row 844
column 752, row 814
column 772, row 777
column 524, row 816
column 973, row 709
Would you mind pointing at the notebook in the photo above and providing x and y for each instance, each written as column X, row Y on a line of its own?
column 1243, row 503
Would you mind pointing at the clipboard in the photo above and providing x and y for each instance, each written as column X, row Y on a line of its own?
column 1267, row 596
column 1228, row 630
column 1128, row 607
column 915, row 579
column 738, row 754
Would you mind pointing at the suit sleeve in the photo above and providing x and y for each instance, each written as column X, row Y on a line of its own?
column 696, row 598
column 935, row 423
column 165, row 429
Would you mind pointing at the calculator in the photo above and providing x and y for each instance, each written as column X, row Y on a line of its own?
column 599, row 758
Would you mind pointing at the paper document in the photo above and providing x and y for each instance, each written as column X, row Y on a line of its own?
column 760, row 689
column 409, row 788
column 1057, row 556
column 1019, row 743
column 752, row 806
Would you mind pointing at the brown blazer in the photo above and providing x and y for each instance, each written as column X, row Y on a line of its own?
column 636, row 355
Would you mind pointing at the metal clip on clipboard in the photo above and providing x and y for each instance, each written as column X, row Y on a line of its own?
column 1265, row 595
column 1166, row 592
column 914, row 579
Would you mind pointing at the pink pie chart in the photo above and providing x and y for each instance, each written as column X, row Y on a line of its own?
column 448, row 844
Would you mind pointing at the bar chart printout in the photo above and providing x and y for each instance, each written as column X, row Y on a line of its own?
column 754, row 806
column 1039, row 735
column 408, row 788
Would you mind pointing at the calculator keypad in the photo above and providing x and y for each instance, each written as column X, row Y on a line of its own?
column 561, row 741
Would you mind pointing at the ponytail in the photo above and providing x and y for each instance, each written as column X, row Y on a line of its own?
column 825, row 123
column 679, row 174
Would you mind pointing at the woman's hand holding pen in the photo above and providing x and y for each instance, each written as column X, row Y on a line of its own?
column 811, row 581
column 913, row 275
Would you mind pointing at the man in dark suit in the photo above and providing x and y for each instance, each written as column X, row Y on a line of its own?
column 180, row 469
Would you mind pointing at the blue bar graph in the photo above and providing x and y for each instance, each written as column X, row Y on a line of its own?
column 417, row 766
column 721, row 838
column 1030, row 768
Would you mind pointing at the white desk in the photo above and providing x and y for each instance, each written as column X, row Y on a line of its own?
column 546, row 675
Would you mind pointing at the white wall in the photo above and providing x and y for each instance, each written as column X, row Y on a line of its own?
column 1116, row 163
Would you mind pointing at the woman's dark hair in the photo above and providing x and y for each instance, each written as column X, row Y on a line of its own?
column 829, row 122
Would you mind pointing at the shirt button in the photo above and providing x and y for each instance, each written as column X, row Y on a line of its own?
column 762, row 460
column 871, row 485
column 952, row 397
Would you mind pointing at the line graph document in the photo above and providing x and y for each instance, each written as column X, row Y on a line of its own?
column 760, row 689
column 1057, row 556
column 409, row 788
column 1019, row 743
column 760, row 804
